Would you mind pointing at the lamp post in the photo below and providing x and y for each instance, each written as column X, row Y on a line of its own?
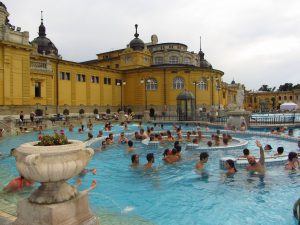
column 218, row 89
column 121, row 83
column 144, row 81
column 195, row 83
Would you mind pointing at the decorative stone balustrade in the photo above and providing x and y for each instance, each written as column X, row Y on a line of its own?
column 41, row 66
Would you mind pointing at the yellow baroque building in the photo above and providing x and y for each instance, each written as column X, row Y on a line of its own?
column 33, row 76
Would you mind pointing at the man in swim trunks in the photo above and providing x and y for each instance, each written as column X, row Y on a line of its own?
column 258, row 167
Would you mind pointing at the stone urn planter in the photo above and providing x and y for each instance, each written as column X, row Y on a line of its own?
column 52, row 166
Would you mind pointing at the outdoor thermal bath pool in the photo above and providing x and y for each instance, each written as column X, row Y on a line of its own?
column 177, row 194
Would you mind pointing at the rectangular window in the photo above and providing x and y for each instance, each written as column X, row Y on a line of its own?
column 118, row 82
column 291, row 97
column 80, row 77
column 68, row 77
column 107, row 80
column 62, row 75
column 279, row 98
column 95, row 79
column 37, row 89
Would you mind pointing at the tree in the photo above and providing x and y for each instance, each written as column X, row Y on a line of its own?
column 265, row 87
column 286, row 87
column 297, row 86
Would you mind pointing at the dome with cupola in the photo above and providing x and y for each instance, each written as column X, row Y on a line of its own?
column 137, row 44
column 44, row 44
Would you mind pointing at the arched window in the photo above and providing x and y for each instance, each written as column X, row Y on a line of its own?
column 187, row 60
column 173, row 60
column 158, row 60
column 203, row 85
column 178, row 83
column 151, row 84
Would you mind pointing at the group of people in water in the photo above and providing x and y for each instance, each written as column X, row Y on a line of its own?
column 172, row 155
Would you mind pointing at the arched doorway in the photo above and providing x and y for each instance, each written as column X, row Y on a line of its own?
column 186, row 106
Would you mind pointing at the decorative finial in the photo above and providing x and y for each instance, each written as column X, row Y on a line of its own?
column 42, row 17
column 136, row 33
column 200, row 44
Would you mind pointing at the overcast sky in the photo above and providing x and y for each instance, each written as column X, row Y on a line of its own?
column 253, row 41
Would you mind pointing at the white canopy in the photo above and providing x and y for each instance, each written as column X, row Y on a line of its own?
column 288, row 106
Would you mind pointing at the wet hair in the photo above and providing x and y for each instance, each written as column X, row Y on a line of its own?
column 246, row 151
column 103, row 143
column 292, row 155
column 203, row 155
column 176, row 143
column 280, row 150
column 151, row 138
column 150, row 157
column 218, row 132
column 231, row 164
column 130, row 143
column 269, row 146
column 166, row 152
column 225, row 140
column 110, row 134
column 174, row 151
column 195, row 140
column 133, row 157
column 90, row 135
column 209, row 143
column 178, row 148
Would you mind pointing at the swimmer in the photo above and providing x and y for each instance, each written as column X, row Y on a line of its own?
column 103, row 145
column 172, row 157
column 150, row 159
column 122, row 139
column 90, row 136
column 279, row 151
column 71, row 127
column 188, row 136
column 17, row 184
column 78, row 183
column 166, row 153
column 259, row 166
column 293, row 162
column 268, row 148
column 229, row 164
column 100, row 134
column 130, row 146
column 85, row 171
column 246, row 153
column 110, row 139
column 209, row 144
column 203, row 160
column 135, row 162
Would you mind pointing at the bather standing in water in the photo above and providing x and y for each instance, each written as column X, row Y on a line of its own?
column 258, row 167
column 203, row 160
column 135, row 162
column 150, row 159
column 229, row 164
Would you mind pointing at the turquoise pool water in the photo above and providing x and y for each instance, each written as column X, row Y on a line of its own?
column 177, row 194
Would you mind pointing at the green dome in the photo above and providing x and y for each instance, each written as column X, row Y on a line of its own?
column 186, row 95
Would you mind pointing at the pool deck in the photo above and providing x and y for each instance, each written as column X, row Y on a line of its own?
column 8, row 212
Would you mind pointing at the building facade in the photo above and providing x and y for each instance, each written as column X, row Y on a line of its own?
column 33, row 76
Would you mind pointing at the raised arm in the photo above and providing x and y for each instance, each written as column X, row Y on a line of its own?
column 262, row 153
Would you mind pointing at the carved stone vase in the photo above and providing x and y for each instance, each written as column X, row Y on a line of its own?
column 52, row 166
